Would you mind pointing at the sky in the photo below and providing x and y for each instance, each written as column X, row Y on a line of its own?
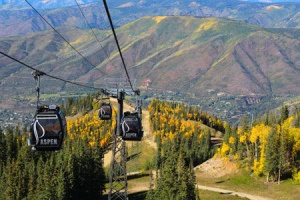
column 274, row 1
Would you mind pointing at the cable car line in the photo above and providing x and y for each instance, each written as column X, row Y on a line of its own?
column 54, row 77
column 63, row 37
column 117, row 42
column 93, row 32
column 114, row 33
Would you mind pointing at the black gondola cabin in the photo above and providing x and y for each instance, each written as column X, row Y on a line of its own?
column 131, row 127
column 105, row 111
column 48, row 129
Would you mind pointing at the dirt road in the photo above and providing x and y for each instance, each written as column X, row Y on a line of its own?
column 240, row 194
column 148, row 137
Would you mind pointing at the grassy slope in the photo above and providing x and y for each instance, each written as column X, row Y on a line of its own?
column 244, row 182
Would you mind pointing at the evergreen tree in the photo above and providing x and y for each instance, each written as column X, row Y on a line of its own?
column 10, row 143
column 158, row 158
column 2, row 151
column 234, row 141
column 167, row 182
column 297, row 118
column 271, row 154
column 284, row 113
column 282, row 152
column 227, row 133
column 182, row 178
column 40, row 188
column 10, row 177
column 267, row 119
column 32, row 181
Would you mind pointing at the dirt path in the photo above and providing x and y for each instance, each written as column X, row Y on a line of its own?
column 240, row 194
column 126, row 107
column 148, row 137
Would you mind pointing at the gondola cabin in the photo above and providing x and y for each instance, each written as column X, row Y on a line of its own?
column 131, row 127
column 48, row 129
column 105, row 111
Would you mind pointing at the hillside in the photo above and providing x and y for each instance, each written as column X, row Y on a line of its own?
column 18, row 18
column 204, row 57
column 203, row 54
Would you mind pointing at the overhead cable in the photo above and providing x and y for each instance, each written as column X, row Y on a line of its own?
column 92, row 31
column 116, row 39
column 54, row 77
column 63, row 37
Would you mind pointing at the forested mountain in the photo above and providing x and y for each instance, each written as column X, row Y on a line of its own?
column 204, row 56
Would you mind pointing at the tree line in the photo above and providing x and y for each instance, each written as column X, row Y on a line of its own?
column 83, row 104
column 270, row 145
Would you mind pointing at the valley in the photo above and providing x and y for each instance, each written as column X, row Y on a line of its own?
column 226, row 67
column 219, row 82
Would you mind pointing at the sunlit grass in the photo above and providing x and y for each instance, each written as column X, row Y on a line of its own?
column 244, row 181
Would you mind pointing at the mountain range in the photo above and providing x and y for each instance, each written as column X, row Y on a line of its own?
column 199, row 55
column 66, row 3
column 203, row 54
column 18, row 18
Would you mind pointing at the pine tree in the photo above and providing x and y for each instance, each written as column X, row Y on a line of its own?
column 10, row 177
column 2, row 151
column 284, row 113
column 40, row 185
column 271, row 154
column 282, row 152
column 32, row 181
column 10, row 143
column 182, row 178
column 227, row 133
column 167, row 182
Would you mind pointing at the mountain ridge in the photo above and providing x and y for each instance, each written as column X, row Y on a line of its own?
column 205, row 58
column 228, row 42
column 22, row 21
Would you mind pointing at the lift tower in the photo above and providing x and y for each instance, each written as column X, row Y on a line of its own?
column 118, row 88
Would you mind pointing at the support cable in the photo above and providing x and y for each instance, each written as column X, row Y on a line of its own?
column 93, row 32
column 116, row 39
column 37, row 77
column 63, row 37
column 54, row 77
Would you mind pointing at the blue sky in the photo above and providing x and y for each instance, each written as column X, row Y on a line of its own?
column 274, row 1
